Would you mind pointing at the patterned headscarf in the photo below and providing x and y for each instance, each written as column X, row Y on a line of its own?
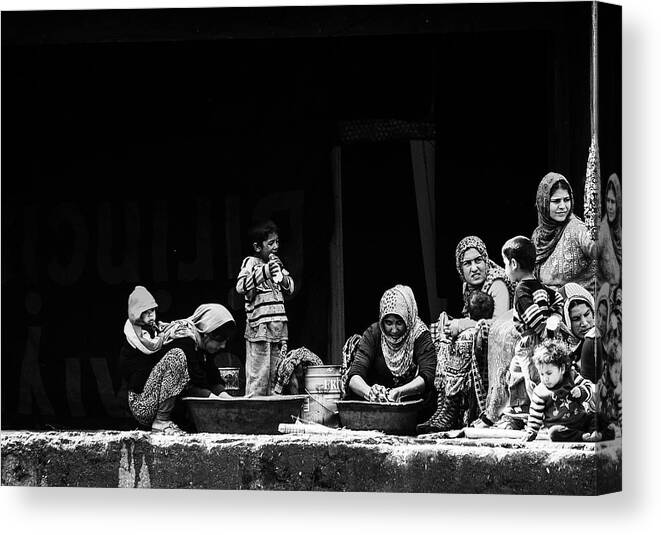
column 494, row 271
column 398, row 351
column 616, row 225
column 575, row 293
column 548, row 232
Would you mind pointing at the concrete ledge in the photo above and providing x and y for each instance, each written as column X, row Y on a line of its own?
column 308, row 462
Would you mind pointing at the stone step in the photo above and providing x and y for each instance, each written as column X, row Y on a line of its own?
column 339, row 462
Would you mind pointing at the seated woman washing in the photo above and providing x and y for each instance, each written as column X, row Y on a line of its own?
column 213, row 326
column 395, row 357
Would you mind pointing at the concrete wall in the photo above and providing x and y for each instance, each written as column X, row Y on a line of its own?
column 289, row 462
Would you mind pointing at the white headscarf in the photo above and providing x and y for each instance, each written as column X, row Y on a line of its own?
column 207, row 318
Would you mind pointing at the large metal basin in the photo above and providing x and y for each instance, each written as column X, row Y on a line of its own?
column 259, row 415
column 398, row 418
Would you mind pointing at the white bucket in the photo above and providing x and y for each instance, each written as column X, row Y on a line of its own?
column 322, row 385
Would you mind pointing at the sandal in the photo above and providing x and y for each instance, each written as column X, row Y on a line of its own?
column 510, row 424
column 166, row 427
column 482, row 422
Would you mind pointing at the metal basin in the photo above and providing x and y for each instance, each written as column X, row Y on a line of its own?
column 259, row 415
column 393, row 418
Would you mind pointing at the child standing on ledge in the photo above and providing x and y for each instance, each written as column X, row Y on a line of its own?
column 262, row 281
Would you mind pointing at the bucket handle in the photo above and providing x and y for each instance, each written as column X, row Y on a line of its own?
column 320, row 403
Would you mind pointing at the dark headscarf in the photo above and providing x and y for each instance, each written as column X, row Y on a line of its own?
column 616, row 225
column 548, row 232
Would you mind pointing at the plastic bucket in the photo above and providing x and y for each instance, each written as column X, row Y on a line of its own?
column 322, row 386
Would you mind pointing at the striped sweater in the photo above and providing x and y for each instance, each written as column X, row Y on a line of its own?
column 556, row 406
column 534, row 303
column 264, row 301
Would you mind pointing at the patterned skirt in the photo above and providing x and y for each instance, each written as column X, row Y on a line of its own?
column 166, row 380
column 459, row 370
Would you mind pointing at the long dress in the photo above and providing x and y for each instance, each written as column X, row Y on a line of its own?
column 609, row 269
column 571, row 260
column 466, row 368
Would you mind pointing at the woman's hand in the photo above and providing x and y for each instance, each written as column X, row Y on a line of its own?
column 395, row 394
column 378, row 394
column 483, row 327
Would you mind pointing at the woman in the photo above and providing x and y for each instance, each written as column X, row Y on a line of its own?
column 565, row 249
column 578, row 312
column 610, row 235
column 461, row 370
column 395, row 357
column 603, row 311
column 155, row 382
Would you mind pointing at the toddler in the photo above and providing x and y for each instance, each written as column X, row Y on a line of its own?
column 480, row 305
column 559, row 400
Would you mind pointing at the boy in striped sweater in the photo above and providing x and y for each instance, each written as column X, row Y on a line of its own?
column 262, row 281
column 537, row 314
column 559, row 400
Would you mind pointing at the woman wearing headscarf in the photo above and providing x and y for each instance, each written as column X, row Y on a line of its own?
column 610, row 235
column 603, row 310
column 395, row 357
column 565, row 249
column 579, row 316
column 461, row 373
column 180, row 358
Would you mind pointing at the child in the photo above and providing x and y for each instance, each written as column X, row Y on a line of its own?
column 263, row 280
column 559, row 400
column 480, row 305
column 537, row 313
column 480, row 308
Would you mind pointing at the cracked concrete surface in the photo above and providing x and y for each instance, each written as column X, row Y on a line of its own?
column 133, row 459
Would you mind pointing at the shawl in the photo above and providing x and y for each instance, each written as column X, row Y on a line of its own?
column 494, row 271
column 548, row 232
column 575, row 293
column 615, row 226
column 398, row 351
